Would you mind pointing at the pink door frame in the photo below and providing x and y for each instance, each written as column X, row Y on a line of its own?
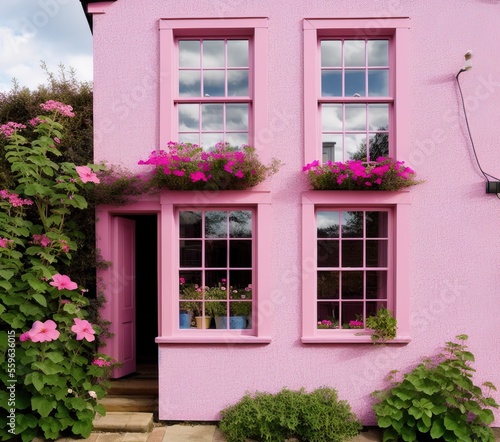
column 110, row 242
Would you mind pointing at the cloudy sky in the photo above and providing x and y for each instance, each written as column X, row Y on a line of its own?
column 53, row 31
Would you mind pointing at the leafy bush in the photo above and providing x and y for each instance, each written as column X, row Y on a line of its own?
column 316, row 417
column 383, row 174
column 438, row 400
column 50, row 373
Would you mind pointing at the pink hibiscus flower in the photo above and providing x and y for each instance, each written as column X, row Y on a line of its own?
column 83, row 330
column 63, row 282
column 25, row 337
column 43, row 331
column 86, row 175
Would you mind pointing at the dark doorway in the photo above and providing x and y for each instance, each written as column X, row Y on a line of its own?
column 146, row 288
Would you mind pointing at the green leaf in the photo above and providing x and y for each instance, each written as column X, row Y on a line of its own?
column 43, row 405
column 48, row 367
column 29, row 309
column 70, row 308
column 437, row 429
column 37, row 381
column 100, row 409
column 6, row 285
column 78, row 403
column 40, row 299
column 55, row 356
column 6, row 274
column 450, row 423
column 2, row 309
column 84, row 428
column 486, row 416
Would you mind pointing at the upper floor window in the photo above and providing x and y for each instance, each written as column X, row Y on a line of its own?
column 215, row 73
column 355, row 91
column 213, row 81
column 356, row 99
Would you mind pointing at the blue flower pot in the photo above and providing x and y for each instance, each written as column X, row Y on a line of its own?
column 184, row 320
column 235, row 322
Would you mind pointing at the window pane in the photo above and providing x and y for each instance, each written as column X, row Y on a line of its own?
column 189, row 53
column 331, row 51
column 217, row 279
column 212, row 117
column 331, row 117
column 327, row 224
column 216, row 224
column 355, row 146
column 332, row 148
column 328, row 253
column 240, row 224
column 237, row 116
column 213, row 53
column 378, row 52
column 355, row 117
column 352, row 224
column 189, row 138
column 351, row 311
column 189, row 117
column 376, row 253
column 352, row 285
column 378, row 116
column 237, row 139
column 328, row 285
column 376, row 224
column 354, row 53
column 189, row 83
column 240, row 278
column 352, row 253
column 237, row 83
column 329, row 311
column 237, row 53
column 190, row 277
column 213, row 84
column 190, row 224
column 378, row 83
column 190, row 253
column 331, row 83
column 355, row 84
column 379, row 145
column 211, row 139
column 376, row 285
column 216, row 253
column 240, row 253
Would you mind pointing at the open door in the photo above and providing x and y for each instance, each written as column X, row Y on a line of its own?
column 123, row 286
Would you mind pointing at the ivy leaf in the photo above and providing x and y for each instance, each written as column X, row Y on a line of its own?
column 6, row 274
column 43, row 405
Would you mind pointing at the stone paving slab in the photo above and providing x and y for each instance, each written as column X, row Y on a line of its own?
column 198, row 433
column 124, row 422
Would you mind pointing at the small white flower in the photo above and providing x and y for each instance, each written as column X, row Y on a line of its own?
column 93, row 394
column 70, row 390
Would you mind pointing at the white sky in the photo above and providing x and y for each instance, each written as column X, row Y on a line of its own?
column 53, row 31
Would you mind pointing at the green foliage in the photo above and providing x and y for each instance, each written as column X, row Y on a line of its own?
column 316, row 417
column 383, row 324
column 438, row 399
column 57, row 380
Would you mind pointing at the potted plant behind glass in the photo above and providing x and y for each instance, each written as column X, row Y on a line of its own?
column 189, row 306
column 240, row 309
column 216, row 303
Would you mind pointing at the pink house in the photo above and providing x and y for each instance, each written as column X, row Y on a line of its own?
column 300, row 81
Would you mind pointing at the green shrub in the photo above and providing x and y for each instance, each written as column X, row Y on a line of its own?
column 317, row 417
column 438, row 400
column 383, row 324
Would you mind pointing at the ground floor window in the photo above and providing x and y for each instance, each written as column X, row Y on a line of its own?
column 216, row 261
column 355, row 262
column 354, row 265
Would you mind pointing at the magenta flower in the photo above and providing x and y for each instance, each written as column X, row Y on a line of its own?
column 44, row 331
column 197, row 176
column 3, row 243
column 182, row 280
column 101, row 362
column 57, row 140
column 25, row 337
column 239, row 174
column 178, row 172
column 63, row 282
column 57, row 106
column 83, row 330
column 86, row 175
column 8, row 129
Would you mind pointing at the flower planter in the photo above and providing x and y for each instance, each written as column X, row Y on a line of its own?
column 235, row 322
column 185, row 319
column 199, row 321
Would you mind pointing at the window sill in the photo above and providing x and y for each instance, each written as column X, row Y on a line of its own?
column 215, row 339
column 341, row 338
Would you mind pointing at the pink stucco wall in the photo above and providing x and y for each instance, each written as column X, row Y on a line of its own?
column 455, row 235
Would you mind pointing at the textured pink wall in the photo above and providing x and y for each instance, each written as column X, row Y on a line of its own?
column 455, row 234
